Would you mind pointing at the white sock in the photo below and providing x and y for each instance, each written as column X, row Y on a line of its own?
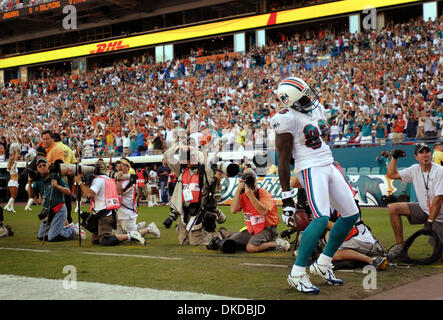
column 30, row 202
column 9, row 203
column 324, row 260
column 129, row 236
column 297, row 270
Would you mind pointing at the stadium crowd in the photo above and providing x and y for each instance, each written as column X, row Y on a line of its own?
column 379, row 87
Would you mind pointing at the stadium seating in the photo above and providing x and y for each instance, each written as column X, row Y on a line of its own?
column 375, row 170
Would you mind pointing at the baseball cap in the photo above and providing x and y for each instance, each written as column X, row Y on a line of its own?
column 39, row 160
column 420, row 146
column 438, row 143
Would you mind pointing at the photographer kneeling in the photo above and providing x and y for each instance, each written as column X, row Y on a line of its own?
column 5, row 230
column 127, row 213
column 261, row 218
column 52, row 189
column 105, row 202
column 195, row 197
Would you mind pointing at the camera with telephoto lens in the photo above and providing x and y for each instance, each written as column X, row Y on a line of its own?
column 249, row 180
column 31, row 169
column 44, row 213
column 228, row 168
column 131, row 177
column 170, row 219
column 71, row 170
column 31, row 172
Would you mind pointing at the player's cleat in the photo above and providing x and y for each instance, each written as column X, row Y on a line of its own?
column 137, row 237
column 282, row 245
column 326, row 272
column 380, row 263
column 302, row 283
column 153, row 229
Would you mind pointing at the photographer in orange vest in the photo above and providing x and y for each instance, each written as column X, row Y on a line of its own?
column 194, row 202
column 261, row 219
column 104, row 203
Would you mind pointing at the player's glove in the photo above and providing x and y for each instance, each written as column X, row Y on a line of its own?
column 398, row 153
column 288, row 210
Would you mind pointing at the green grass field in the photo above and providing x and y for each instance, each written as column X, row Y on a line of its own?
column 241, row 275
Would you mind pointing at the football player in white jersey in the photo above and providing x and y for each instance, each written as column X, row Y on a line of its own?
column 298, row 135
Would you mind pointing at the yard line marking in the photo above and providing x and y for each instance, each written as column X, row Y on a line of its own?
column 98, row 253
column 130, row 255
column 264, row 265
column 29, row 288
column 349, row 270
column 24, row 249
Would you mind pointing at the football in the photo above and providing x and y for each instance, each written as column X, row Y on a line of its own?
column 299, row 221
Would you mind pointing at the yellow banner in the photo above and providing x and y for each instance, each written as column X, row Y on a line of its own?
column 334, row 8
column 223, row 27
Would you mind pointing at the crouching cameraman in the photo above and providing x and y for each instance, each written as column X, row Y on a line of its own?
column 128, row 213
column 52, row 189
column 261, row 218
column 30, row 172
column 195, row 197
column 102, row 222
column 5, row 230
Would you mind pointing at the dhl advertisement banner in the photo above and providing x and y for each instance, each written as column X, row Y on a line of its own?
column 370, row 188
column 222, row 27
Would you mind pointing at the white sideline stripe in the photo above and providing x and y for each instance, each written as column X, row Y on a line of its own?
column 24, row 249
column 130, row 255
column 264, row 265
column 27, row 288
column 99, row 254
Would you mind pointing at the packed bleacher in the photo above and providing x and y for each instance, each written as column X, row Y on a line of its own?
column 378, row 88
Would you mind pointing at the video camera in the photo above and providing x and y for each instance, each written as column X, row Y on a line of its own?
column 228, row 168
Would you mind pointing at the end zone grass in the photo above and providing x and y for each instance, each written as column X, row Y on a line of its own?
column 164, row 264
